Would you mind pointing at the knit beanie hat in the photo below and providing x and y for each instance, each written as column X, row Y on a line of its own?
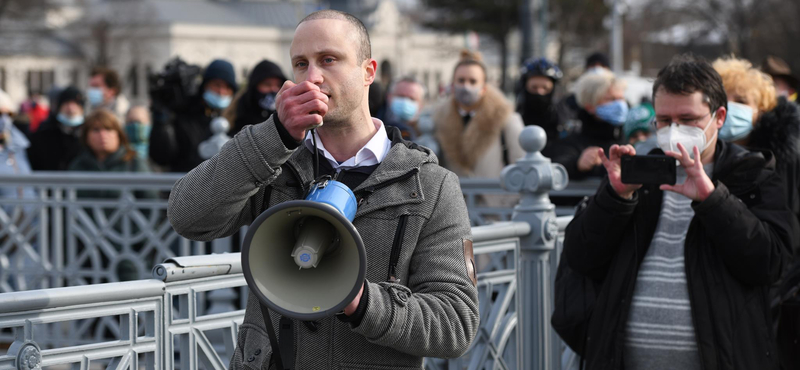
column 71, row 94
column 264, row 70
column 221, row 69
column 639, row 119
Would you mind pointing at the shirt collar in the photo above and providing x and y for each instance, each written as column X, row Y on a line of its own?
column 370, row 154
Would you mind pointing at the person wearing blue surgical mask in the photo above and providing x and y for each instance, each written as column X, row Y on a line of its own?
column 105, row 92
column 759, row 118
column 404, row 104
column 57, row 141
column 174, row 143
column 602, row 116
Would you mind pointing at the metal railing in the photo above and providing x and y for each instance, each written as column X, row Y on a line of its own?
column 190, row 316
column 159, row 323
column 67, row 236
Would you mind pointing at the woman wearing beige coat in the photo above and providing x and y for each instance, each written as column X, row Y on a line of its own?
column 477, row 128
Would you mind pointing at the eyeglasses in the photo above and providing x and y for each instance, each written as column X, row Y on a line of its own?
column 664, row 122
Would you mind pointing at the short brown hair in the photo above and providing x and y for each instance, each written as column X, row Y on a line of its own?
column 364, row 51
column 105, row 119
column 110, row 78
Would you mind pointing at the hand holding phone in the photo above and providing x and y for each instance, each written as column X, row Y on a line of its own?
column 614, row 169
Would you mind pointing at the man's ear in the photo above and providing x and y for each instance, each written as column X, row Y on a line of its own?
column 722, row 113
column 370, row 70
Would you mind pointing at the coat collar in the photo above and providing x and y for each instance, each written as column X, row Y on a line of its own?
column 395, row 181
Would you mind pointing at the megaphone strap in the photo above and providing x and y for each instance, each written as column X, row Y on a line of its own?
column 273, row 339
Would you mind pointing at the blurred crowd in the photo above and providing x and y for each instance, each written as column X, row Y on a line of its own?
column 473, row 128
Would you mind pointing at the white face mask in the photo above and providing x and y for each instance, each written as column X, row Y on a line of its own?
column 689, row 136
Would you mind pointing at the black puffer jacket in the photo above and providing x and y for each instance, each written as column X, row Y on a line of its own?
column 738, row 243
column 54, row 146
column 779, row 131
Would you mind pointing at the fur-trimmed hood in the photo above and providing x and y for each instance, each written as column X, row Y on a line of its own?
column 779, row 131
column 462, row 146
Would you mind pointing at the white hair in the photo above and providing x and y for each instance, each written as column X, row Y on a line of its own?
column 591, row 87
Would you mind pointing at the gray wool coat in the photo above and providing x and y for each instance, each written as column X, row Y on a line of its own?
column 431, row 310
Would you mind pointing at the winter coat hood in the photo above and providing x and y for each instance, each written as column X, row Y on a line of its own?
column 779, row 131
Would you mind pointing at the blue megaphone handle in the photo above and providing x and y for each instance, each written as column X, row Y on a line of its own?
column 337, row 195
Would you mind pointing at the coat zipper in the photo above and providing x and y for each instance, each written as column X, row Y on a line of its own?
column 396, row 246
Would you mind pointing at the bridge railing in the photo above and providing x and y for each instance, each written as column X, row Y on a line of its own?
column 188, row 316
column 158, row 324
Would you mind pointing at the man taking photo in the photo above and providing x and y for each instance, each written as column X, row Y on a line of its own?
column 423, row 303
column 684, row 270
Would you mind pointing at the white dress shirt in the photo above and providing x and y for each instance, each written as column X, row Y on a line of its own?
column 371, row 154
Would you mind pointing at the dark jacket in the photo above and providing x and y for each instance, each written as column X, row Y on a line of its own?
column 738, row 243
column 594, row 132
column 53, row 146
column 174, row 141
column 779, row 131
column 430, row 310
column 87, row 162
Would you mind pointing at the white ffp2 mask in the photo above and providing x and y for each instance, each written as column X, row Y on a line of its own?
column 689, row 136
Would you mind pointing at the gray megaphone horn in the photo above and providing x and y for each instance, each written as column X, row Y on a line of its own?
column 304, row 258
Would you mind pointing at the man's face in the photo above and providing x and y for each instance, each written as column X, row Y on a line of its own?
column 539, row 85
column 219, row 86
column 324, row 52
column 97, row 81
column 408, row 90
column 270, row 85
column 691, row 110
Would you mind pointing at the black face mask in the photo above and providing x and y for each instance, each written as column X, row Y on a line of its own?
column 266, row 102
column 537, row 104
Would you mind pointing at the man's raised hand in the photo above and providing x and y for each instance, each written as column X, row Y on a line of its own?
column 300, row 107
column 614, row 169
column 698, row 186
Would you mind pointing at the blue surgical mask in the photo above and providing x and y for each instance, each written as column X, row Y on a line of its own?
column 404, row 108
column 738, row 122
column 216, row 101
column 95, row 96
column 615, row 112
column 69, row 121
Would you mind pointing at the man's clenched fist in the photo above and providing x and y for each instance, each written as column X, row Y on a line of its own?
column 300, row 107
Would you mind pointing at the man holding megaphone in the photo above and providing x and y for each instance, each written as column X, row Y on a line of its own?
column 359, row 252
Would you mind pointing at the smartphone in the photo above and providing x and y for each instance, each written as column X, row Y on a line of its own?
column 648, row 169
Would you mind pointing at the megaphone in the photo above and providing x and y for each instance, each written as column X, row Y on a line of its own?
column 304, row 258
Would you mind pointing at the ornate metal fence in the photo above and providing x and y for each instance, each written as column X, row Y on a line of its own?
column 169, row 322
column 90, row 228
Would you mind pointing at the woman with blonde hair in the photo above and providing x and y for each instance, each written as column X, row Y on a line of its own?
column 759, row 119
